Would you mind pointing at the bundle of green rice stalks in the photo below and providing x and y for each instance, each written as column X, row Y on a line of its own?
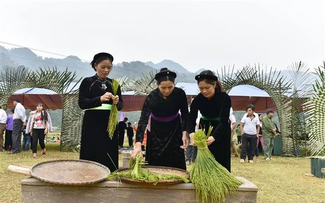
column 211, row 180
column 137, row 172
column 112, row 122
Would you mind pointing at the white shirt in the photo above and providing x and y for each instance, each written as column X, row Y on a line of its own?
column 19, row 112
column 232, row 119
column 250, row 125
column 3, row 116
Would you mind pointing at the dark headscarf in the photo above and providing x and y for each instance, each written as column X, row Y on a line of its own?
column 164, row 75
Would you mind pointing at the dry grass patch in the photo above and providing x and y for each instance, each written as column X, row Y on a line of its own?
column 280, row 180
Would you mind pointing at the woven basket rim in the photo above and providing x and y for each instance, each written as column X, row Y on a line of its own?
column 45, row 179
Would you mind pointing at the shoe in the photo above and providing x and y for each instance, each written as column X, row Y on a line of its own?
column 242, row 161
column 257, row 159
column 251, row 161
column 235, row 155
column 267, row 159
column 187, row 163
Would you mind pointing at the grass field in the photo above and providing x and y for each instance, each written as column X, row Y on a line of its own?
column 280, row 180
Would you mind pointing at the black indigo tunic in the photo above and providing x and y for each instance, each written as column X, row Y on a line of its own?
column 216, row 107
column 95, row 141
column 164, row 137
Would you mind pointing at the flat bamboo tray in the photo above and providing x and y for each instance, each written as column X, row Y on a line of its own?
column 66, row 172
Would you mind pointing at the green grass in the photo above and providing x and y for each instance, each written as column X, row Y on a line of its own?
column 280, row 180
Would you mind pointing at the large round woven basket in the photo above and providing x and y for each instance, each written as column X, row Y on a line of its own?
column 70, row 172
column 157, row 170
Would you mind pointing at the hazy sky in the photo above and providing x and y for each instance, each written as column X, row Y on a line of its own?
column 196, row 34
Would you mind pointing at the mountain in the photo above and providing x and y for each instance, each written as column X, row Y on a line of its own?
column 170, row 65
column 183, row 75
column 134, row 69
column 25, row 57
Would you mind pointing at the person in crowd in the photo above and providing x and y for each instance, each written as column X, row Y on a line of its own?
column 130, row 134
column 233, row 125
column 121, row 131
column 259, row 139
column 38, row 126
column 191, row 150
column 250, row 128
column 96, row 97
column 144, row 142
column 9, row 127
column 191, row 153
column 166, row 131
column 26, row 139
column 19, row 120
column 269, row 131
column 3, row 123
column 214, row 105
column 238, row 132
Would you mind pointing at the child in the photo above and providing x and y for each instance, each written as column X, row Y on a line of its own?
column 26, row 139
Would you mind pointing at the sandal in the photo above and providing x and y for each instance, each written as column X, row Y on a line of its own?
column 44, row 153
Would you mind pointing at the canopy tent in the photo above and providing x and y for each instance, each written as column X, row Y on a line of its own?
column 30, row 97
column 241, row 96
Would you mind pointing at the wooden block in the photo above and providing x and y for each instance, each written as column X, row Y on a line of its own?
column 34, row 191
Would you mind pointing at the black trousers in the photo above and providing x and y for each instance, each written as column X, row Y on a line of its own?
column 8, row 141
column 248, row 146
column 38, row 134
column 130, row 138
column 121, row 138
column 16, row 135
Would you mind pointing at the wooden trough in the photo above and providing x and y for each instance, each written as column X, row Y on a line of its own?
column 35, row 191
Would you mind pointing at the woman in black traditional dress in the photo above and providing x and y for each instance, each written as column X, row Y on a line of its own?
column 166, row 132
column 214, row 105
column 96, row 98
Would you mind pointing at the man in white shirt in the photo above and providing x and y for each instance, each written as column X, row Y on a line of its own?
column 250, row 128
column 3, row 121
column 19, row 120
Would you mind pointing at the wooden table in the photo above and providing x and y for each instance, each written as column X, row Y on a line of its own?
column 35, row 191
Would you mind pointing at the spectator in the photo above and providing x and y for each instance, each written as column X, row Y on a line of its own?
column 10, row 125
column 238, row 132
column 130, row 134
column 19, row 120
column 26, row 139
column 250, row 128
column 38, row 128
column 259, row 139
column 3, row 123
column 121, row 131
column 269, row 131
column 232, row 120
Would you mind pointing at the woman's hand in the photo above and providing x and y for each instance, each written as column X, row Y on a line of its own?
column 185, row 140
column 106, row 97
column 137, row 150
column 192, row 139
column 45, row 131
column 115, row 99
column 210, row 140
column 31, row 133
